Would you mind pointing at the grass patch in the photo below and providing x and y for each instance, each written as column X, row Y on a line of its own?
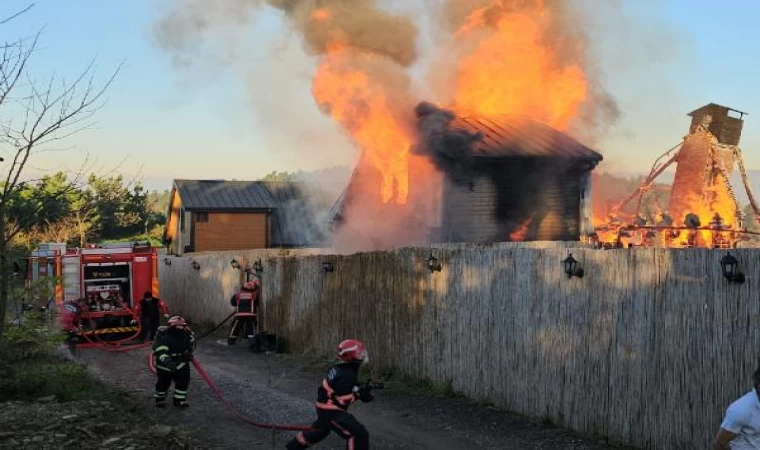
column 66, row 380
column 398, row 383
column 31, row 368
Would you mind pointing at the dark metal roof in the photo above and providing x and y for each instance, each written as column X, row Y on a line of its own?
column 224, row 195
column 715, row 105
column 296, row 221
column 521, row 137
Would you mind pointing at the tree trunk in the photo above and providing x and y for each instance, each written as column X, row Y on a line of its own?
column 3, row 272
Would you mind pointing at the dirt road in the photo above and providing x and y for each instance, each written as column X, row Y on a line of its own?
column 269, row 390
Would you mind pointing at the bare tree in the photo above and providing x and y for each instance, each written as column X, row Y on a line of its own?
column 35, row 114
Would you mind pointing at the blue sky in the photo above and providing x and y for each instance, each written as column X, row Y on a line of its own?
column 235, row 120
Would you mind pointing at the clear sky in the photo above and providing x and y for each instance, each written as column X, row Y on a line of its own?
column 166, row 123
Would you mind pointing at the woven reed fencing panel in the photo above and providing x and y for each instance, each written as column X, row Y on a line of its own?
column 648, row 348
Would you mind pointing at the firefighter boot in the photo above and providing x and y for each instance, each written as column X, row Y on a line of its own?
column 295, row 445
column 180, row 403
column 160, row 402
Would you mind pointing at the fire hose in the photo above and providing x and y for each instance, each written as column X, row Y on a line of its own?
column 216, row 327
column 206, row 378
column 230, row 406
column 116, row 346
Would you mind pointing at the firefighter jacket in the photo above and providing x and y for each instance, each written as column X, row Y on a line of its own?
column 245, row 302
column 173, row 348
column 71, row 313
column 340, row 388
column 151, row 307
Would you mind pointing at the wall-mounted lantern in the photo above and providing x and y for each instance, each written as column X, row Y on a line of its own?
column 433, row 264
column 730, row 268
column 196, row 265
column 570, row 265
column 167, row 262
column 328, row 267
column 235, row 264
column 258, row 267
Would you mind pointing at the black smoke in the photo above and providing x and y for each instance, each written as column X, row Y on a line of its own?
column 450, row 148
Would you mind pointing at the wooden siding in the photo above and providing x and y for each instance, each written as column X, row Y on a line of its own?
column 727, row 129
column 509, row 195
column 230, row 231
column 650, row 347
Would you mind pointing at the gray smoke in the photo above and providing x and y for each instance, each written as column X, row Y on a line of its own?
column 302, row 217
column 451, row 149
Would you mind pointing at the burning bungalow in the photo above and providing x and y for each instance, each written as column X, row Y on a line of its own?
column 476, row 179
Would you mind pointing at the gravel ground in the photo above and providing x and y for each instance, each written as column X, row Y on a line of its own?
column 268, row 390
column 46, row 424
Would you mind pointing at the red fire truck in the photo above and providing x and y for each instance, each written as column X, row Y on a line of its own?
column 110, row 277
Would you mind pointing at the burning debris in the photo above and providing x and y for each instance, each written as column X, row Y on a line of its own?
column 450, row 149
column 702, row 209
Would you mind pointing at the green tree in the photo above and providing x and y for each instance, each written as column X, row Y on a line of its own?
column 122, row 209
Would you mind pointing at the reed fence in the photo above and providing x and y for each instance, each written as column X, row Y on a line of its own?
column 649, row 347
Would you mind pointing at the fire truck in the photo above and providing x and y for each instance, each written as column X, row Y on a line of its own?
column 111, row 278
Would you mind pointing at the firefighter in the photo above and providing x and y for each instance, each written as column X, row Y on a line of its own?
column 173, row 348
column 338, row 391
column 71, row 315
column 147, row 312
column 245, row 303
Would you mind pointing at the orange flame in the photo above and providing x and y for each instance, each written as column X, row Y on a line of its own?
column 511, row 71
column 361, row 104
column 322, row 14
column 521, row 232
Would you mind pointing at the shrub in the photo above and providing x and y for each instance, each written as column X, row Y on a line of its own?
column 30, row 368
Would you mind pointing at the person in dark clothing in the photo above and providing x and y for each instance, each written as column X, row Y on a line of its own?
column 338, row 391
column 173, row 349
column 245, row 303
column 148, row 312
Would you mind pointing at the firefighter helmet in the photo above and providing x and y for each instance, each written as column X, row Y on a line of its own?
column 177, row 322
column 352, row 350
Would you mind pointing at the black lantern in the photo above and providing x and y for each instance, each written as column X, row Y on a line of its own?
column 730, row 267
column 235, row 264
column 433, row 264
column 571, row 267
column 196, row 265
column 258, row 267
column 327, row 267
column 167, row 262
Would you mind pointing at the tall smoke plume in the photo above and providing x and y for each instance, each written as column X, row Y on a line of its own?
column 490, row 58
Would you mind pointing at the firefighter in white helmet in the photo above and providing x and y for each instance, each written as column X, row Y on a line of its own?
column 338, row 391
